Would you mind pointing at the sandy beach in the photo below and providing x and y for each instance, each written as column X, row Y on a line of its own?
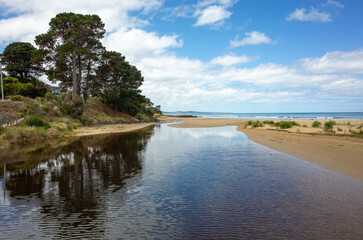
column 111, row 128
column 337, row 152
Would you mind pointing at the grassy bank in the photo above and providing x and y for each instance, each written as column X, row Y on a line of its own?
column 27, row 120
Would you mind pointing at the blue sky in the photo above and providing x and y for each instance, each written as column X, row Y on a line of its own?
column 224, row 55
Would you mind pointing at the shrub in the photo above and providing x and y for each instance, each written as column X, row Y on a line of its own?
column 25, row 135
column 13, row 86
column 50, row 96
column 270, row 122
column 329, row 126
column 316, row 124
column 35, row 121
column 71, row 106
column 287, row 124
column 2, row 130
column 16, row 98
column 257, row 124
column 305, row 126
column 249, row 123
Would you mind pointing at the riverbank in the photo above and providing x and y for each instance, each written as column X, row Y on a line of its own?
column 111, row 128
column 337, row 152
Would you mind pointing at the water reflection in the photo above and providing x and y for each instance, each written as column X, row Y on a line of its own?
column 207, row 133
column 67, row 185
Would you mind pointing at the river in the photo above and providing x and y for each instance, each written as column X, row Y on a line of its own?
column 173, row 183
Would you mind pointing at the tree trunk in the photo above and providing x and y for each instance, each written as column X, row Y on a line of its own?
column 74, row 75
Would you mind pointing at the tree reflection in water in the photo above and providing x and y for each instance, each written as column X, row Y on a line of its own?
column 73, row 181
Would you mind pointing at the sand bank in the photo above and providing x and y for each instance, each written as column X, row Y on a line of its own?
column 340, row 153
column 112, row 128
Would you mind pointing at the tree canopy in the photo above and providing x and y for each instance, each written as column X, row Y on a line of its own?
column 17, row 58
column 71, row 48
column 71, row 53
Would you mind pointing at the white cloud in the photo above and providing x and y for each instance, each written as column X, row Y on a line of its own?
column 253, row 38
column 32, row 17
column 183, row 83
column 314, row 15
column 207, row 12
column 230, row 60
column 333, row 3
column 350, row 63
column 350, row 86
column 224, row 3
column 211, row 15
column 137, row 44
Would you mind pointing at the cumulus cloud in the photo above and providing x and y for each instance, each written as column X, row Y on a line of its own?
column 230, row 60
column 349, row 86
column 183, row 83
column 314, row 15
column 211, row 15
column 30, row 18
column 335, row 62
column 207, row 12
column 253, row 38
column 137, row 44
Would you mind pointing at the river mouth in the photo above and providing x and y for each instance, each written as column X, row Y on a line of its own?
column 173, row 183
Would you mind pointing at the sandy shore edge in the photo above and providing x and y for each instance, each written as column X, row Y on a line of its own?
column 339, row 153
column 111, row 128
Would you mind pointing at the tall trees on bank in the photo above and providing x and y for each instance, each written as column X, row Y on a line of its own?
column 17, row 58
column 71, row 53
column 71, row 49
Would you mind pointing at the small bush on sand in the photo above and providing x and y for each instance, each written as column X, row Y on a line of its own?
column 316, row 124
column 286, row 124
column 257, row 124
column 328, row 127
column 270, row 122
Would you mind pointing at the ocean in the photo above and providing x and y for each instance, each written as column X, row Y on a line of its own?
column 307, row 115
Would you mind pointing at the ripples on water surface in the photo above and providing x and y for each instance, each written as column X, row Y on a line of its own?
column 172, row 183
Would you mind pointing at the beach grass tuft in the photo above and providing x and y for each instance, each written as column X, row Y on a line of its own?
column 269, row 122
column 316, row 124
column 286, row 124
column 328, row 126
column 257, row 124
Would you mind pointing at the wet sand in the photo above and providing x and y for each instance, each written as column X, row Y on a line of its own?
column 340, row 153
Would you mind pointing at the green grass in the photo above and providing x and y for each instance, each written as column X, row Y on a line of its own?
column 35, row 121
column 2, row 130
column 286, row 124
column 328, row 126
column 257, row 124
column 269, row 122
column 316, row 124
